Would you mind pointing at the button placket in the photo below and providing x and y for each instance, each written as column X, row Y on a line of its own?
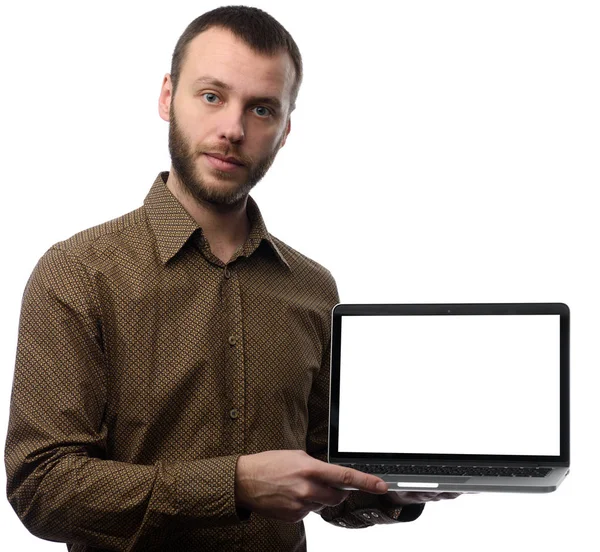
column 234, row 354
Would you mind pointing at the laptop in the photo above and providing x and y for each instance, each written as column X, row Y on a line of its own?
column 452, row 397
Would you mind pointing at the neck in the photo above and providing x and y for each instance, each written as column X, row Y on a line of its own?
column 225, row 227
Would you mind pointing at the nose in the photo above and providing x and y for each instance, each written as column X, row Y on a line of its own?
column 231, row 124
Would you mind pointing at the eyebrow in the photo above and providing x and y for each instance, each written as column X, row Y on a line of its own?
column 271, row 100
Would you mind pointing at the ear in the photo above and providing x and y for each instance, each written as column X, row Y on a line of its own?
column 165, row 98
column 287, row 131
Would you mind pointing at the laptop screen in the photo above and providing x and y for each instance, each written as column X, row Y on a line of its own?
column 439, row 384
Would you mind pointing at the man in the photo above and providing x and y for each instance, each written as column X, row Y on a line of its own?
column 171, row 381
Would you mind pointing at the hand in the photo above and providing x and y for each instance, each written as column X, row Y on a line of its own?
column 405, row 498
column 288, row 484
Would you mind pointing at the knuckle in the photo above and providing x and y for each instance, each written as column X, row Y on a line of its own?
column 304, row 472
column 304, row 492
column 347, row 476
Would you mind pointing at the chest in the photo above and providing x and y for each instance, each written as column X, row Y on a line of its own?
column 210, row 351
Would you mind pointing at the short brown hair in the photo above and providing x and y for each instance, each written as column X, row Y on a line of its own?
column 259, row 30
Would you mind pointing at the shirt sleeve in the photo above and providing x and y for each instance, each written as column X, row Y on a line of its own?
column 360, row 509
column 60, row 481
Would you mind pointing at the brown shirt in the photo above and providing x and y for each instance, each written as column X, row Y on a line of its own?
column 146, row 366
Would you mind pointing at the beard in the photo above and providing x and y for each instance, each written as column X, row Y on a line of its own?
column 183, row 159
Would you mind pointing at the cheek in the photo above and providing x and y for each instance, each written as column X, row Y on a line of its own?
column 192, row 123
column 273, row 139
column 195, row 138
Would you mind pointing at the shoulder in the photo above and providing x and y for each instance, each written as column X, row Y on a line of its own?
column 117, row 233
column 95, row 250
column 308, row 271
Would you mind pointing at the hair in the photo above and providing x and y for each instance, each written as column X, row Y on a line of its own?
column 259, row 30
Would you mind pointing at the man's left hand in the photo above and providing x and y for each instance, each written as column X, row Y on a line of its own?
column 404, row 498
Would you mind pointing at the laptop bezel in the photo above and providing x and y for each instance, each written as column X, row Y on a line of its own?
column 449, row 309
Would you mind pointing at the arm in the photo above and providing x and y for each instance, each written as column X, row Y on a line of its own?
column 59, row 480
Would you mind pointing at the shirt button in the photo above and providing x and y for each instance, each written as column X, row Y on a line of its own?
column 227, row 273
column 231, row 340
column 375, row 514
column 233, row 413
column 366, row 516
column 341, row 523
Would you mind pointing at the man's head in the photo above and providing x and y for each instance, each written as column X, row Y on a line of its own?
column 234, row 80
column 256, row 28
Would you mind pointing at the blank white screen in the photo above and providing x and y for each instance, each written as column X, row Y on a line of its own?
column 450, row 384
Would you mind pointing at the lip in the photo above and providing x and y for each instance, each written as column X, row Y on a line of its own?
column 232, row 160
column 220, row 163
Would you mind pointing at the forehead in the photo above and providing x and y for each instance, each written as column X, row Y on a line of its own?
column 221, row 55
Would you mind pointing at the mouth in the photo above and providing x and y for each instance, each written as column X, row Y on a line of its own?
column 232, row 160
column 223, row 163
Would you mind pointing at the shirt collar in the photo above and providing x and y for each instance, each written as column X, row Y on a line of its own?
column 172, row 225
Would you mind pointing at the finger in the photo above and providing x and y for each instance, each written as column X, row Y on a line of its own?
column 341, row 477
column 417, row 497
column 436, row 497
column 423, row 496
column 405, row 498
column 450, row 496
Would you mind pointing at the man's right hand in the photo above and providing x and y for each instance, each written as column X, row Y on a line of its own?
column 288, row 484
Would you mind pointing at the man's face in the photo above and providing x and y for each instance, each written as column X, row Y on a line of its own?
column 230, row 102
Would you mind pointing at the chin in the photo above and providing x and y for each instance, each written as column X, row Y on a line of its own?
column 221, row 195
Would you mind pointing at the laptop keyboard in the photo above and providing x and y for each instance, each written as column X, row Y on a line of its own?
column 491, row 471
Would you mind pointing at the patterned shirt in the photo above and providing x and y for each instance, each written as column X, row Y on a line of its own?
column 146, row 366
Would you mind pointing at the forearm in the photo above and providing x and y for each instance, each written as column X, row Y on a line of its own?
column 68, row 497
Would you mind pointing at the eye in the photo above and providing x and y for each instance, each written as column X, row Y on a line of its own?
column 264, row 111
column 210, row 97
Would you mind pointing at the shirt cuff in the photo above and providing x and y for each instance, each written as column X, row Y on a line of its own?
column 397, row 512
column 364, row 510
column 205, row 491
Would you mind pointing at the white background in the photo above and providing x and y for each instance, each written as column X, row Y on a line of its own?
column 440, row 152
